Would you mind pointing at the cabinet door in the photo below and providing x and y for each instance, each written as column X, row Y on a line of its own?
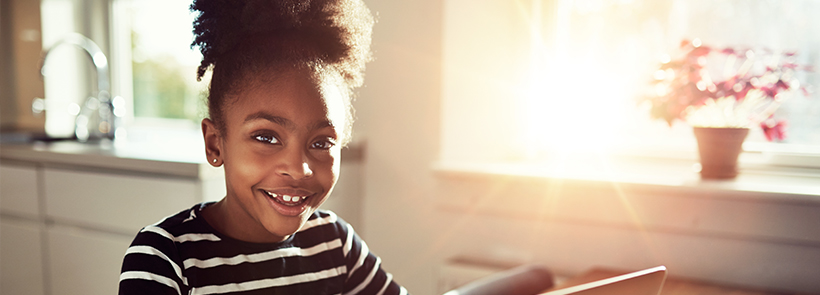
column 115, row 202
column 18, row 190
column 84, row 261
column 21, row 263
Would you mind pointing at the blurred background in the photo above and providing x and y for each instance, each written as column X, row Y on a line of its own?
column 489, row 133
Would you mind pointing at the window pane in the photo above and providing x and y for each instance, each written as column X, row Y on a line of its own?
column 523, row 79
column 613, row 47
column 766, row 25
column 163, row 64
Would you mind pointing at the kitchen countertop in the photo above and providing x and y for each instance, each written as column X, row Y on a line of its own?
column 177, row 159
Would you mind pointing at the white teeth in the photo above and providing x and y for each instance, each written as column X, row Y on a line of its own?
column 287, row 198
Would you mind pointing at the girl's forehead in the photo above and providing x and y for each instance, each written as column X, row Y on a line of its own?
column 297, row 93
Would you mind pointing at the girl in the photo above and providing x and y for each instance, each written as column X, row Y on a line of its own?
column 279, row 112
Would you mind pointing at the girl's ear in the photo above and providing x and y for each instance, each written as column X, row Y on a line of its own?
column 213, row 142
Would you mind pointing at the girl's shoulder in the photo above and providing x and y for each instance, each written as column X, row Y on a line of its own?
column 183, row 216
column 182, row 224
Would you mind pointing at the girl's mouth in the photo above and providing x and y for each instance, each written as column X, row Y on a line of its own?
column 287, row 200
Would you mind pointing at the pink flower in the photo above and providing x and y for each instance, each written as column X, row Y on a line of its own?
column 782, row 85
column 688, row 87
column 774, row 129
column 700, row 51
column 743, row 91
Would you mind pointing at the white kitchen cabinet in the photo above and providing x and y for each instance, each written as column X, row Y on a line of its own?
column 84, row 261
column 21, row 262
column 18, row 190
column 96, row 215
column 68, row 216
column 114, row 201
column 21, row 259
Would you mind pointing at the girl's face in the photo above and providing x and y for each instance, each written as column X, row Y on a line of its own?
column 281, row 154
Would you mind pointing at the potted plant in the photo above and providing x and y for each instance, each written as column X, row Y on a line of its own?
column 722, row 92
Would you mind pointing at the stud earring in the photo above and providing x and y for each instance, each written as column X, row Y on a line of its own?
column 214, row 161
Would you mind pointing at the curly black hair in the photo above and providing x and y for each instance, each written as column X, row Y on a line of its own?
column 239, row 38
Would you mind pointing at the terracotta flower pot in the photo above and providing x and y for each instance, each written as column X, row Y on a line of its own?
column 719, row 149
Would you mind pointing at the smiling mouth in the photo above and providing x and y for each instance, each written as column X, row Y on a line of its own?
column 287, row 200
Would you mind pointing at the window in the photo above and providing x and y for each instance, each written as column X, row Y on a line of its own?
column 528, row 80
column 158, row 64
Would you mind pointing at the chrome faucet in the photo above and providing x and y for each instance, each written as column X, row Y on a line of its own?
column 109, row 110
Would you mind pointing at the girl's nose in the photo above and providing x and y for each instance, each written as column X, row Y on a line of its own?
column 294, row 163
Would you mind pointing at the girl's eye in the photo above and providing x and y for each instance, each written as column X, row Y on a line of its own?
column 267, row 139
column 323, row 144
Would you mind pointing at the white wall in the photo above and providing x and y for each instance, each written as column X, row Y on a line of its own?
column 398, row 118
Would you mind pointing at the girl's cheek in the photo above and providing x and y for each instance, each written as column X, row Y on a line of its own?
column 250, row 167
column 322, row 157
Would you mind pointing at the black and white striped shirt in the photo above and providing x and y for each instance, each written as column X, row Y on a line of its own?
column 182, row 254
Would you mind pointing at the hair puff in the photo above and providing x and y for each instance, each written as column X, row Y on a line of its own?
column 328, row 33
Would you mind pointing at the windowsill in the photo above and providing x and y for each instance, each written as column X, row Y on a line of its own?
column 756, row 180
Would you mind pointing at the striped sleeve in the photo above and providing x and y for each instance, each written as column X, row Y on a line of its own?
column 365, row 274
column 150, row 265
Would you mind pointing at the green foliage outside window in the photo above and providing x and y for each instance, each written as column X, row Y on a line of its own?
column 163, row 88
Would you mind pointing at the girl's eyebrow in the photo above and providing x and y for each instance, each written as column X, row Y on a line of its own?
column 322, row 124
column 284, row 122
column 275, row 119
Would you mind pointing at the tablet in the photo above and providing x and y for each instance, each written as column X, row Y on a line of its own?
column 643, row 282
